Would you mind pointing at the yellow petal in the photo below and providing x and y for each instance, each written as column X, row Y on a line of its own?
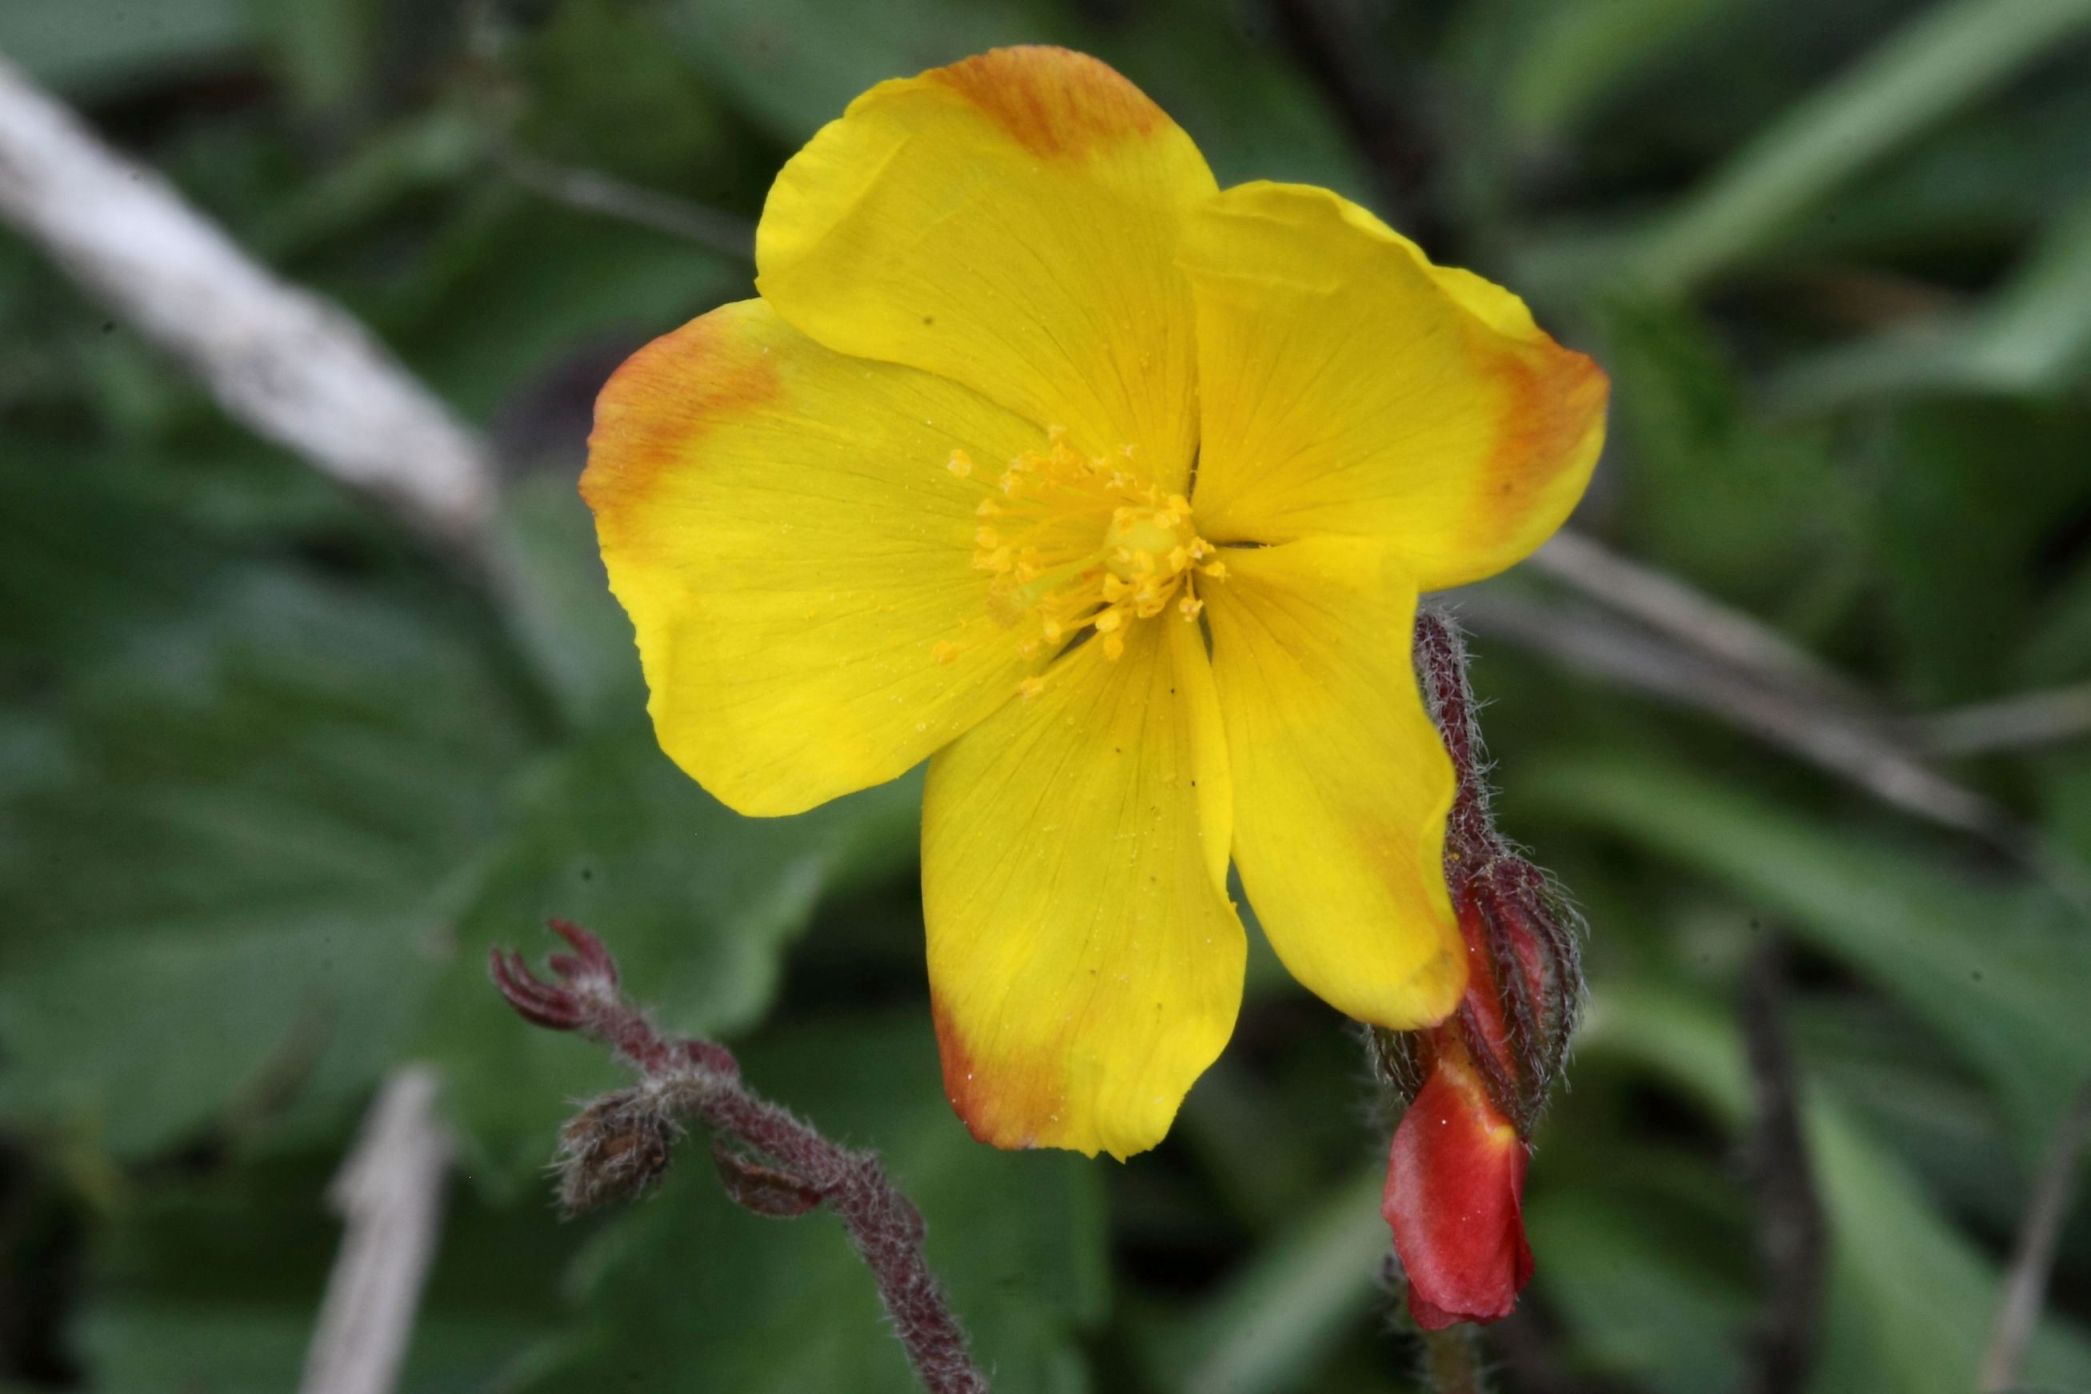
column 1085, row 963
column 1350, row 388
column 1341, row 783
column 1011, row 222
column 785, row 530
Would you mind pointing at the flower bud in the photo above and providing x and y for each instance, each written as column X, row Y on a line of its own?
column 1477, row 1082
column 1454, row 1198
column 1524, row 983
column 614, row 1149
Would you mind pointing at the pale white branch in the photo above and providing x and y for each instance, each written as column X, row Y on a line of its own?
column 2022, row 722
column 390, row 1196
column 289, row 365
column 1691, row 617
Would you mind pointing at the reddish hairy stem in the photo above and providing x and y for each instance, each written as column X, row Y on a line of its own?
column 1441, row 661
column 1475, row 1083
column 772, row 1162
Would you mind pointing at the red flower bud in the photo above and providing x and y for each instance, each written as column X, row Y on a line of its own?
column 1454, row 1199
column 1478, row 1081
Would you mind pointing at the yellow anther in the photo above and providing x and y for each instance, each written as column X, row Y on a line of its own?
column 1071, row 541
column 1030, row 687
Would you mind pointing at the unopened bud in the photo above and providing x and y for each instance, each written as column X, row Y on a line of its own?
column 1455, row 1198
column 1524, row 984
column 614, row 1149
column 760, row 1188
column 1478, row 1081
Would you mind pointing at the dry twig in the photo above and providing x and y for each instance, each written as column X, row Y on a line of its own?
column 1693, row 618
column 1853, row 746
column 2027, row 720
column 1791, row 1231
column 390, row 1193
column 771, row 1161
column 2033, row 1256
column 291, row 366
column 591, row 191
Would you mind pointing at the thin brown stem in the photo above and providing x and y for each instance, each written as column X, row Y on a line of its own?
column 591, row 191
column 2033, row 1256
column 1791, row 1233
column 770, row 1160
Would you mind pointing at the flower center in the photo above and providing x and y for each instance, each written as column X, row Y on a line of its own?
column 1073, row 543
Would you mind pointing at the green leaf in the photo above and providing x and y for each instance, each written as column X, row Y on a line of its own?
column 221, row 862
column 2016, row 467
column 2030, row 339
column 2035, row 333
column 558, row 600
column 1272, row 1327
column 64, row 43
column 1909, row 1295
column 515, row 284
column 687, row 1292
column 1995, row 968
column 660, row 123
column 1947, row 56
column 322, row 49
column 1626, row 1268
column 1569, row 58
column 1709, row 488
column 1990, row 178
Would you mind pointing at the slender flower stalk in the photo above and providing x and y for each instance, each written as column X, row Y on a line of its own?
column 1476, row 1083
column 771, row 1161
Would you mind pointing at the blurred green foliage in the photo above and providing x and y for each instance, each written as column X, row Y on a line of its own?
column 271, row 778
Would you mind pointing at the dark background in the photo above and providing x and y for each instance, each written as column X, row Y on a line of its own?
column 273, row 773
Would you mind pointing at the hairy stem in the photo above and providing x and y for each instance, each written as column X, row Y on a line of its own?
column 770, row 1160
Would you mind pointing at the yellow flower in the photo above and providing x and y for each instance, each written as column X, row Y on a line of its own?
column 1109, row 493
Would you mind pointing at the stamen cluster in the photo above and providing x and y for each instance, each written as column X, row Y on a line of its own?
column 1075, row 542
